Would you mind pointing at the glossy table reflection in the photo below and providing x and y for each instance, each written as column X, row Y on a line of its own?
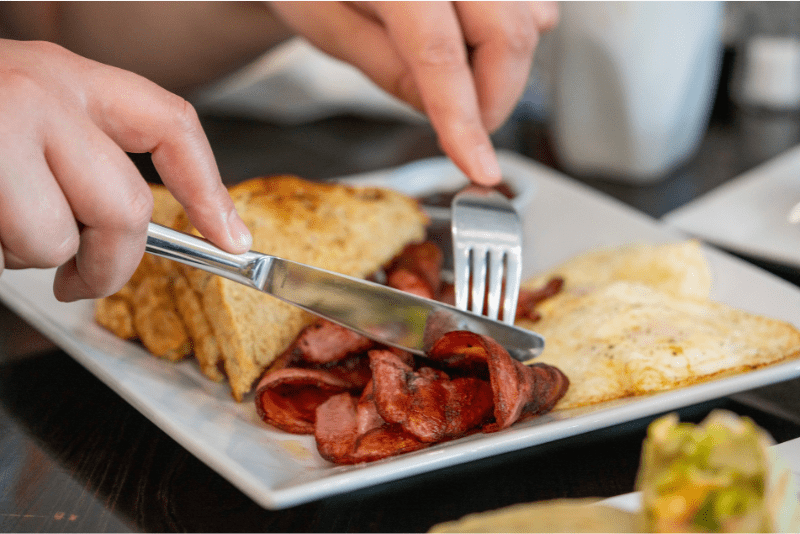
column 75, row 457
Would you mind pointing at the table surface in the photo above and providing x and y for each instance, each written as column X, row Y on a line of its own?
column 75, row 457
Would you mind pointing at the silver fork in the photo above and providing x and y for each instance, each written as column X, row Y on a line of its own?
column 487, row 253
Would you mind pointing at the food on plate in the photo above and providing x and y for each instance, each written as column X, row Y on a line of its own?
column 678, row 268
column 719, row 476
column 560, row 515
column 236, row 332
column 619, row 322
column 144, row 307
column 364, row 403
column 637, row 319
column 716, row 476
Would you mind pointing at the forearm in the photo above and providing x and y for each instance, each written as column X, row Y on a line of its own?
column 179, row 45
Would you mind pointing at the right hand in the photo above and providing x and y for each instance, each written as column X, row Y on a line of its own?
column 465, row 64
column 69, row 194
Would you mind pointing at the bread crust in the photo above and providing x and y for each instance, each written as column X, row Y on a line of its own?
column 235, row 332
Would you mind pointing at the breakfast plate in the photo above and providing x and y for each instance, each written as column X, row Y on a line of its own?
column 278, row 470
column 755, row 214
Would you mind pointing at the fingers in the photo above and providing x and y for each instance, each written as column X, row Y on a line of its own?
column 418, row 51
column 150, row 119
column 354, row 34
column 503, row 37
column 108, row 198
column 546, row 15
column 429, row 39
column 415, row 51
column 37, row 227
column 69, row 195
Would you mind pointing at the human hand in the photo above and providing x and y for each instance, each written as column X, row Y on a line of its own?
column 69, row 194
column 465, row 64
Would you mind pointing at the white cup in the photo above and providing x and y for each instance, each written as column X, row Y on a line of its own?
column 634, row 85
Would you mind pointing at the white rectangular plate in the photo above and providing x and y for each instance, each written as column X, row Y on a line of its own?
column 278, row 470
column 750, row 214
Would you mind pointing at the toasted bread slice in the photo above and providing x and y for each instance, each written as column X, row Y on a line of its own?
column 350, row 230
column 204, row 343
column 156, row 321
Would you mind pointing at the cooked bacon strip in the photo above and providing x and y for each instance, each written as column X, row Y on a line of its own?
column 350, row 431
column 417, row 270
column 368, row 416
column 471, row 381
column 426, row 402
column 337, row 429
column 354, row 369
column 530, row 298
column 410, row 282
column 325, row 342
column 447, row 294
column 551, row 383
column 515, row 387
column 288, row 398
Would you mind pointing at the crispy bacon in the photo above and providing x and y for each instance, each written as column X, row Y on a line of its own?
column 417, row 270
column 530, row 298
column 353, row 369
column 363, row 401
column 515, row 387
column 426, row 402
column 552, row 384
column 351, row 431
column 324, row 342
column 288, row 398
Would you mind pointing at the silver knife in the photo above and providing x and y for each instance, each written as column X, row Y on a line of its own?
column 381, row 313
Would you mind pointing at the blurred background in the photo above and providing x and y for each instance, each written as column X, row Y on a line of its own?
column 622, row 92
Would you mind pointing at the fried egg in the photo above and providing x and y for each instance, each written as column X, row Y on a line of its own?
column 638, row 320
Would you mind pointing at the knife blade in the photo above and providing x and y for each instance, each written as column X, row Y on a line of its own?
column 381, row 313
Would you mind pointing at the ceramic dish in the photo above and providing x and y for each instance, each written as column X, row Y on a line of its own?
column 278, row 470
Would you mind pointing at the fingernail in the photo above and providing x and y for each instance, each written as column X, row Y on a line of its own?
column 488, row 166
column 240, row 235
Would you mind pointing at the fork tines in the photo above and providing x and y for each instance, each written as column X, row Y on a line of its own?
column 487, row 252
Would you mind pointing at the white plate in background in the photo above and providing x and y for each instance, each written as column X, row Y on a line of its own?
column 750, row 214
column 279, row 470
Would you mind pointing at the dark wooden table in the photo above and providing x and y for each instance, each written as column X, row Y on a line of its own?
column 75, row 457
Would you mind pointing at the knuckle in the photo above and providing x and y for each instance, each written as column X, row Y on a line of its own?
column 404, row 87
column 18, row 87
column 138, row 210
column 183, row 114
column 43, row 252
column 47, row 48
column 442, row 52
column 64, row 250
column 520, row 38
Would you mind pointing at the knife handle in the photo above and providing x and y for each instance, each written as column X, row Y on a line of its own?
column 250, row 268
